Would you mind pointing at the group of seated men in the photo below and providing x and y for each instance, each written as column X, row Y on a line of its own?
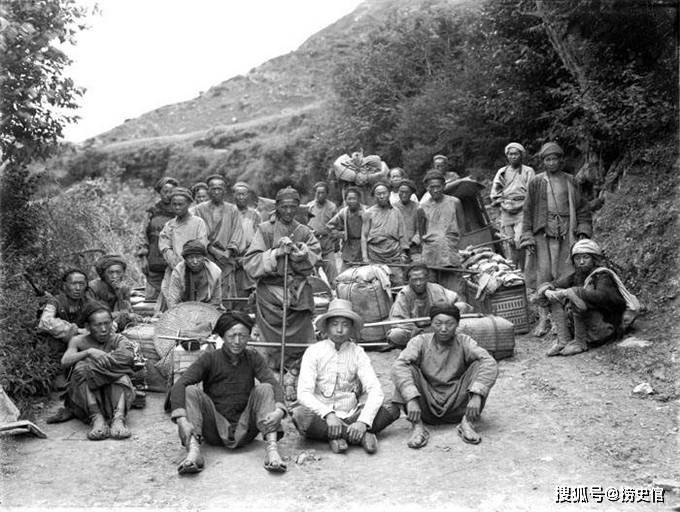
column 441, row 376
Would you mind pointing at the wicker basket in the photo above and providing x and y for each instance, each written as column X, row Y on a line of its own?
column 493, row 333
column 509, row 303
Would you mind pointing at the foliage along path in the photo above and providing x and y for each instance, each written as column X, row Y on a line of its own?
column 548, row 423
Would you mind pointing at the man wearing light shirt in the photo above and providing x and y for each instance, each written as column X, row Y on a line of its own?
column 335, row 373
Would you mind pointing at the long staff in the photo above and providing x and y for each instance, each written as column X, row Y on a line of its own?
column 285, row 316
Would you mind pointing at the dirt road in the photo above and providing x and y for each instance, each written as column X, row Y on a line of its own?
column 548, row 423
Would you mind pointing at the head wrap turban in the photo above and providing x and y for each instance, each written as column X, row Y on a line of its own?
column 321, row 184
column 380, row 184
column 240, row 184
column 200, row 185
column 92, row 307
column 517, row 146
column 433, row 175
column 287, row 193
column 215, row 177
column 107, row 260
column 550, row 148
column 164, row 181
column 194, row 247
column 445, row 309
column 586, row 246
column 408, row 183
column 229, row 320
column 181, row 191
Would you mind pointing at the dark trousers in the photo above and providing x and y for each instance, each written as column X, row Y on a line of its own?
column 313, row 426
column 215, row 429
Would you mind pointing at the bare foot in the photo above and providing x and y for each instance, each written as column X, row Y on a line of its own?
column 419, row 437
column 100, row 430
column 272, row 460
column 119, row 429
column 194, row 461
column 467, row 432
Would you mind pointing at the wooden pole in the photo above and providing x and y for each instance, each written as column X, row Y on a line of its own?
column 285, row 316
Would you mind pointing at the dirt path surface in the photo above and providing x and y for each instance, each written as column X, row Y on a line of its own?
column 548, row 423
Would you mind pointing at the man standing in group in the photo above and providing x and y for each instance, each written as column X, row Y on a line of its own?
column 225, row 232
column 508, row 191
column 383, row 237
column 415, row 301
column 151, row 258
column 445, row 218
column 195, row 278
column 443, row 377
column 100, row 391
column 396, row 176
column 415, row 223
column 230, row 409
column 277, row 240
column 322, row 210
column 177, row 232
column 346, row 225
column 555, row 217
column 250, row 220
column 331, row 373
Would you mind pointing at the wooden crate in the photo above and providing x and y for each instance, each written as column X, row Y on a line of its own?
column 509, row 303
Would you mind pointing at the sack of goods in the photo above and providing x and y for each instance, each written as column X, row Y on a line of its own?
column 368, row 289
column 498, row 288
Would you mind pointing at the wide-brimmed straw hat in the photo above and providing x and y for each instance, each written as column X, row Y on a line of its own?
column 343, row 308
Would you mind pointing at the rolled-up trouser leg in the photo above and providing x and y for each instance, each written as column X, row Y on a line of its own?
column 260, row 403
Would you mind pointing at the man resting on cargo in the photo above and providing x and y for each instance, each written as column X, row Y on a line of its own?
column 443, row 377
column 231, row 409
column 415, row 300
column 100, row 391
column 592, row 298
column 334, row 374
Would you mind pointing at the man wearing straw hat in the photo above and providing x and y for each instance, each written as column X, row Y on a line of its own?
column 334, row 373
column 508, row 192
column 280, row 258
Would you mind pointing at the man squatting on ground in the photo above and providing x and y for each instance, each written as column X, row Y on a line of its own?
column 100, row 391
column 592, row 299
column 333, row 374
column 195, row 278
column 443, row 377
column 231, row 409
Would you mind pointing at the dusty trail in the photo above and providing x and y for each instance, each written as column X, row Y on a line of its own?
column 548, row 422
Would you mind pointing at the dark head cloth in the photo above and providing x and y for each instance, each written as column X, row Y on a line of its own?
column 216, row 177
column 164, row 181
column 198, row 186
column 550, row 148
column 229, row 320
column 445, row 309
column 321, row 184
column 92, row 307
column 107, row 260
column 378, row 184
column 184, row 192
column 433, row 175
column 408, row 183
column 287, row 193
column 194, row 247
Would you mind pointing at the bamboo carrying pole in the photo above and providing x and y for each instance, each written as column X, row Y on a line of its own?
column 285, row 316
column 407, row 265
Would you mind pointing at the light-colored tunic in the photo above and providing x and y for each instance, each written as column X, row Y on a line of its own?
column 332, row 380
column 385, row 234
column 440, row 242
column 209, row 291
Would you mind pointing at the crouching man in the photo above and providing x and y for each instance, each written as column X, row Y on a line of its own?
column 592, row 298
column 100, row 390
column 231, row 409
column 333, row 374
column 443, row 377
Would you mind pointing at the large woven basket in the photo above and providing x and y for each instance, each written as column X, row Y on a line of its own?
column 507, row 302
column 195, row 317
column 495, row 334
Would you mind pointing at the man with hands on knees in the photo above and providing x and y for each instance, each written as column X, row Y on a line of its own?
column 339, row 392
column 443, row 377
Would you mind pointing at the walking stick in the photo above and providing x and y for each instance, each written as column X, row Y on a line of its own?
column 285, row 316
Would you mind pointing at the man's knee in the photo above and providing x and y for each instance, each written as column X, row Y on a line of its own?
column 193, row 394
column 263, row 390
column 302, row 417
column 398, row 337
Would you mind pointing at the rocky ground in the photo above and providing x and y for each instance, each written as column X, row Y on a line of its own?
column 548, row 422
